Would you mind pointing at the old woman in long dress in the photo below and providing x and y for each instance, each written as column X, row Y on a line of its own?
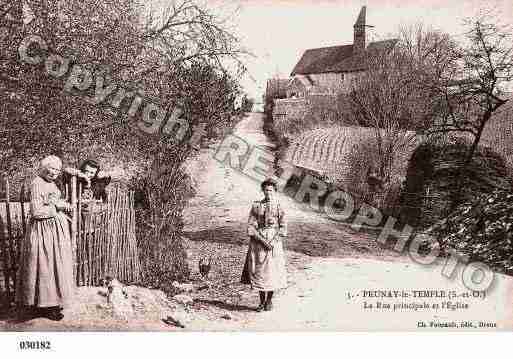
column 45, row 279
column 265, row 260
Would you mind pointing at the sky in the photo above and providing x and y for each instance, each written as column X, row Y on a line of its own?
column 277, row 32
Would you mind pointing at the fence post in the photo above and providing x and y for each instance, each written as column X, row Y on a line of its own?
column 12, row 264
column 81, row 236
column 23, row 213
column 4, row 259
column 74, row 224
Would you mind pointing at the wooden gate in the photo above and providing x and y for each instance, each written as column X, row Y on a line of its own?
column 103, row 237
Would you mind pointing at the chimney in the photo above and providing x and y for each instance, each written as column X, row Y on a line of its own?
column 359, row 33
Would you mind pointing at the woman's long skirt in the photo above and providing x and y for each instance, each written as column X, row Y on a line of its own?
column 45, row 277
column 265, row 270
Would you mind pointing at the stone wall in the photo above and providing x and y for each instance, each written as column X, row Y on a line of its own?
column 316, row 102
column 322, row 106
column 334, row 82
column 331, row 81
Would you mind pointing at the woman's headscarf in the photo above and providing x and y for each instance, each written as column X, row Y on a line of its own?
column 50, row 160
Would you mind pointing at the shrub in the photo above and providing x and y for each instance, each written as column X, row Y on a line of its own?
column 482, row 229
column 162, row 193
column 348, row 157
column 432, row 175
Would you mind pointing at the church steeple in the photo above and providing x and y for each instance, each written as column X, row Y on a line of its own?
column 359, row 32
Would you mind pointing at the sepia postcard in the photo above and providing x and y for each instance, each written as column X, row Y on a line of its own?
column 255, row 166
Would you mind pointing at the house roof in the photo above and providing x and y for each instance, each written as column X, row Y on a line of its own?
column 336, row 58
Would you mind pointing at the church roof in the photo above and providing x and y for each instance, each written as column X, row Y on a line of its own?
column 336, row 58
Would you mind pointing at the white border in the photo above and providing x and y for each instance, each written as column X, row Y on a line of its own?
column 259, row 345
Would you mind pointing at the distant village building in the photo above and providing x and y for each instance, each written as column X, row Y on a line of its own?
column 276, row 88
column 326, row 72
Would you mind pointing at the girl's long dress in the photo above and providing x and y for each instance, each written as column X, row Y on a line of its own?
column 45, row 277
column 265, row 269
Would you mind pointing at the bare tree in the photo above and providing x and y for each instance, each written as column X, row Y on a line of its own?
column 391, row 97
column 479, row 87
column 187, row 32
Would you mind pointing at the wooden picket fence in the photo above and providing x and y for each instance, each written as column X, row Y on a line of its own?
column 103, row 240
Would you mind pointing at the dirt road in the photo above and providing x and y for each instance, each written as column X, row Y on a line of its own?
column 333, row 271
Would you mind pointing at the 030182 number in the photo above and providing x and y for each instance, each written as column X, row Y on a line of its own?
column 34, row 345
